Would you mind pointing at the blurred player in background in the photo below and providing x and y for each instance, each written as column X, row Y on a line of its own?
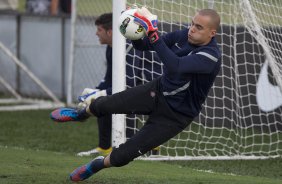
column 104, row 33
column 48, row 7
column 41, row 7
column 9, row 6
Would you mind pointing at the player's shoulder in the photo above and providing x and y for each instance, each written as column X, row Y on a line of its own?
column 209, row 52
column 211, row 48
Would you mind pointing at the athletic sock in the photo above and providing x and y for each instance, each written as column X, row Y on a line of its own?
column 88, row 170
column 97, row 164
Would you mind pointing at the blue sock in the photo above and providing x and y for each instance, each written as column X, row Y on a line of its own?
column 96, row 165
column 87, row 170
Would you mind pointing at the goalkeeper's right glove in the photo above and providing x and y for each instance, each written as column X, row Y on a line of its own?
column 148, row 21
column 88, row 95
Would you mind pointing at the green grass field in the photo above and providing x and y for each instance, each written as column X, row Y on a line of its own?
column 33, row 149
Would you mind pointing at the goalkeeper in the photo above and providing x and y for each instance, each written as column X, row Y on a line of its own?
column 191, row 59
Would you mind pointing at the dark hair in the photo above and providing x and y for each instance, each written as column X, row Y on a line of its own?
column 105, row 20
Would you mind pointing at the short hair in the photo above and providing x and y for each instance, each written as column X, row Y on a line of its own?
column 215, row 18
column 105, row 20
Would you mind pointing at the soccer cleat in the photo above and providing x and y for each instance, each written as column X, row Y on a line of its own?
column 84, row 172
column 68, row 114
column 97, row 150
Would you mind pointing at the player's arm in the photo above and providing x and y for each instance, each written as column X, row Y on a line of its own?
column 103, row 89
column 104, row 86
column 142, row 44
column 203, row 61
column 54, row 7
column 145, row 44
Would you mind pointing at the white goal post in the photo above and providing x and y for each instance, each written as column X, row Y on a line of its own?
column 241, row 118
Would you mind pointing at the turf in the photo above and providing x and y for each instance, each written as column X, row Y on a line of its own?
column 20, row 165
column 33, row 149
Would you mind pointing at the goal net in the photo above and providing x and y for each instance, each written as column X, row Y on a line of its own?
column 20, row 88
column 241, row 118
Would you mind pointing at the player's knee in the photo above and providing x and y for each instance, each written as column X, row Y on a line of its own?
column 122, row 156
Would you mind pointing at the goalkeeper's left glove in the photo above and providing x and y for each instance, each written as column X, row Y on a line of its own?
column 148, row 21
column 88, row 95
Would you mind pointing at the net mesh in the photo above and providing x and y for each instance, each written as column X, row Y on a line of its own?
column 241, row 117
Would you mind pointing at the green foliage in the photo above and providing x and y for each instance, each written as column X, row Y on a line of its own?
column 21, row 5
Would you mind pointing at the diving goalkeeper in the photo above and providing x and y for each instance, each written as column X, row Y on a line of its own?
column 192, row 60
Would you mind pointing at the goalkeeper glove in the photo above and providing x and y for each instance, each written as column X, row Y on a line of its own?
column 88, row 95
column 148, row 21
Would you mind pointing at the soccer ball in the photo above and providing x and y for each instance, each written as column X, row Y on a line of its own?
column 128, row 28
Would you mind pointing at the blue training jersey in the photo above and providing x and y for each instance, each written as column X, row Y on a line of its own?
column 132, row 65
column 189, row 71
column 106, row 83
